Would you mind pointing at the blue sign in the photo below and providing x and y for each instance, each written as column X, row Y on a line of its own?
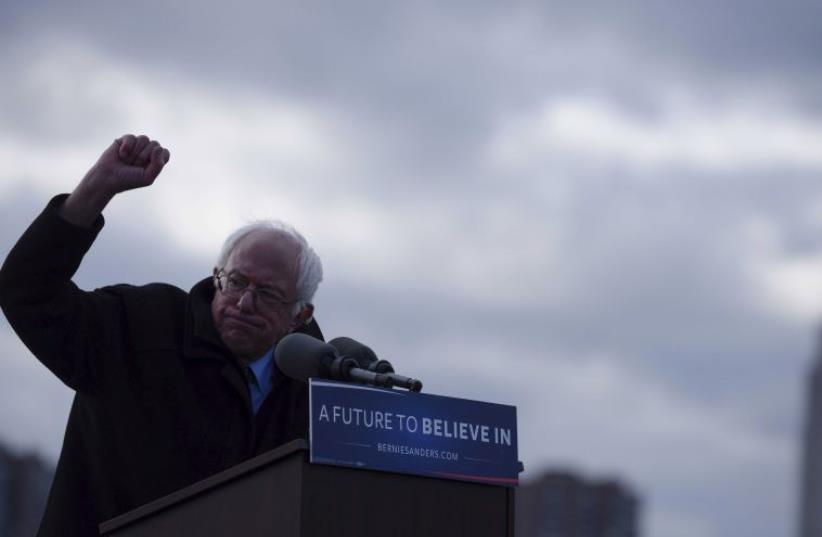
column 413, row 433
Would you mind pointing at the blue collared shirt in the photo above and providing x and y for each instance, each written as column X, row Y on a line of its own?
column 261, row 378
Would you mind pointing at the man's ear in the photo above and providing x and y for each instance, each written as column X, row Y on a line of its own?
column 214, row 278
column 304, row 317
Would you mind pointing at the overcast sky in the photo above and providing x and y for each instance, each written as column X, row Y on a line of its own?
column 608, row 215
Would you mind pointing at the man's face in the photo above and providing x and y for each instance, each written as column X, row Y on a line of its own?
column 267, row 261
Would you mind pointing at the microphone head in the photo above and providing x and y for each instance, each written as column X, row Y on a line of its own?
column 301, row 356
column 351, row 348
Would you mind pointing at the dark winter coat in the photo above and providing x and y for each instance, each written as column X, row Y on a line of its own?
column 160, row 401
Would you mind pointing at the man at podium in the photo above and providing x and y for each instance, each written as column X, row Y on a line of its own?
column 171, row 386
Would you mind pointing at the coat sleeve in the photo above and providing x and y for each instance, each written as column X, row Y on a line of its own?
column 63, row 326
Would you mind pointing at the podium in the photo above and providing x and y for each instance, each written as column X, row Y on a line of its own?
column 280, row 494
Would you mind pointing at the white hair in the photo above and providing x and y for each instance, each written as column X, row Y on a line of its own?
column 309, row 266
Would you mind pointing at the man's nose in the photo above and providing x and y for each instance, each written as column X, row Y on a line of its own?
column 246, row 301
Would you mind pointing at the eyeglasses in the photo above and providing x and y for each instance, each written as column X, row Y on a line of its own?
column 233, row 286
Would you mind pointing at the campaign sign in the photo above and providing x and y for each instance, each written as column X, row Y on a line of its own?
column 413, row 433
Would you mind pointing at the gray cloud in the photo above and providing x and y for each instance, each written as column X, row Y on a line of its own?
column 431, row 81
column 526, row 284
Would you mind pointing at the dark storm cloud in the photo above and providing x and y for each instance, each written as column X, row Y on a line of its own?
column 656, row 270
column 430, row 81
column 643, row 272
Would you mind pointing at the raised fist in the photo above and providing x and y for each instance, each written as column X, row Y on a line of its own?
column 130, row 162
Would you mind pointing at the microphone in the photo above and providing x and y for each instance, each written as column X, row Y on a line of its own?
column 301, row 357
column 367, row 359
column 363, row 354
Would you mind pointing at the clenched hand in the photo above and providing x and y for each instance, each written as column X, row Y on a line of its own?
column 129, row 162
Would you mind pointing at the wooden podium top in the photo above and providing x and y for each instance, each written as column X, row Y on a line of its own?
column 280, row 494
column 209, row 483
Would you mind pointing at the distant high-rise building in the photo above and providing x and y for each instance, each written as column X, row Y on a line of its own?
column 560, row 504
column 810, row 524
column 30, row 483
column 24, row 485
column 6, row 466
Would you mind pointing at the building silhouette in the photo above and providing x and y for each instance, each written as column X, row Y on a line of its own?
column 810, row 518
column 24, row 485
column 561, row 504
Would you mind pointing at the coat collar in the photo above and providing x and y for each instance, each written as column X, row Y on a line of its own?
column 201, row 339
